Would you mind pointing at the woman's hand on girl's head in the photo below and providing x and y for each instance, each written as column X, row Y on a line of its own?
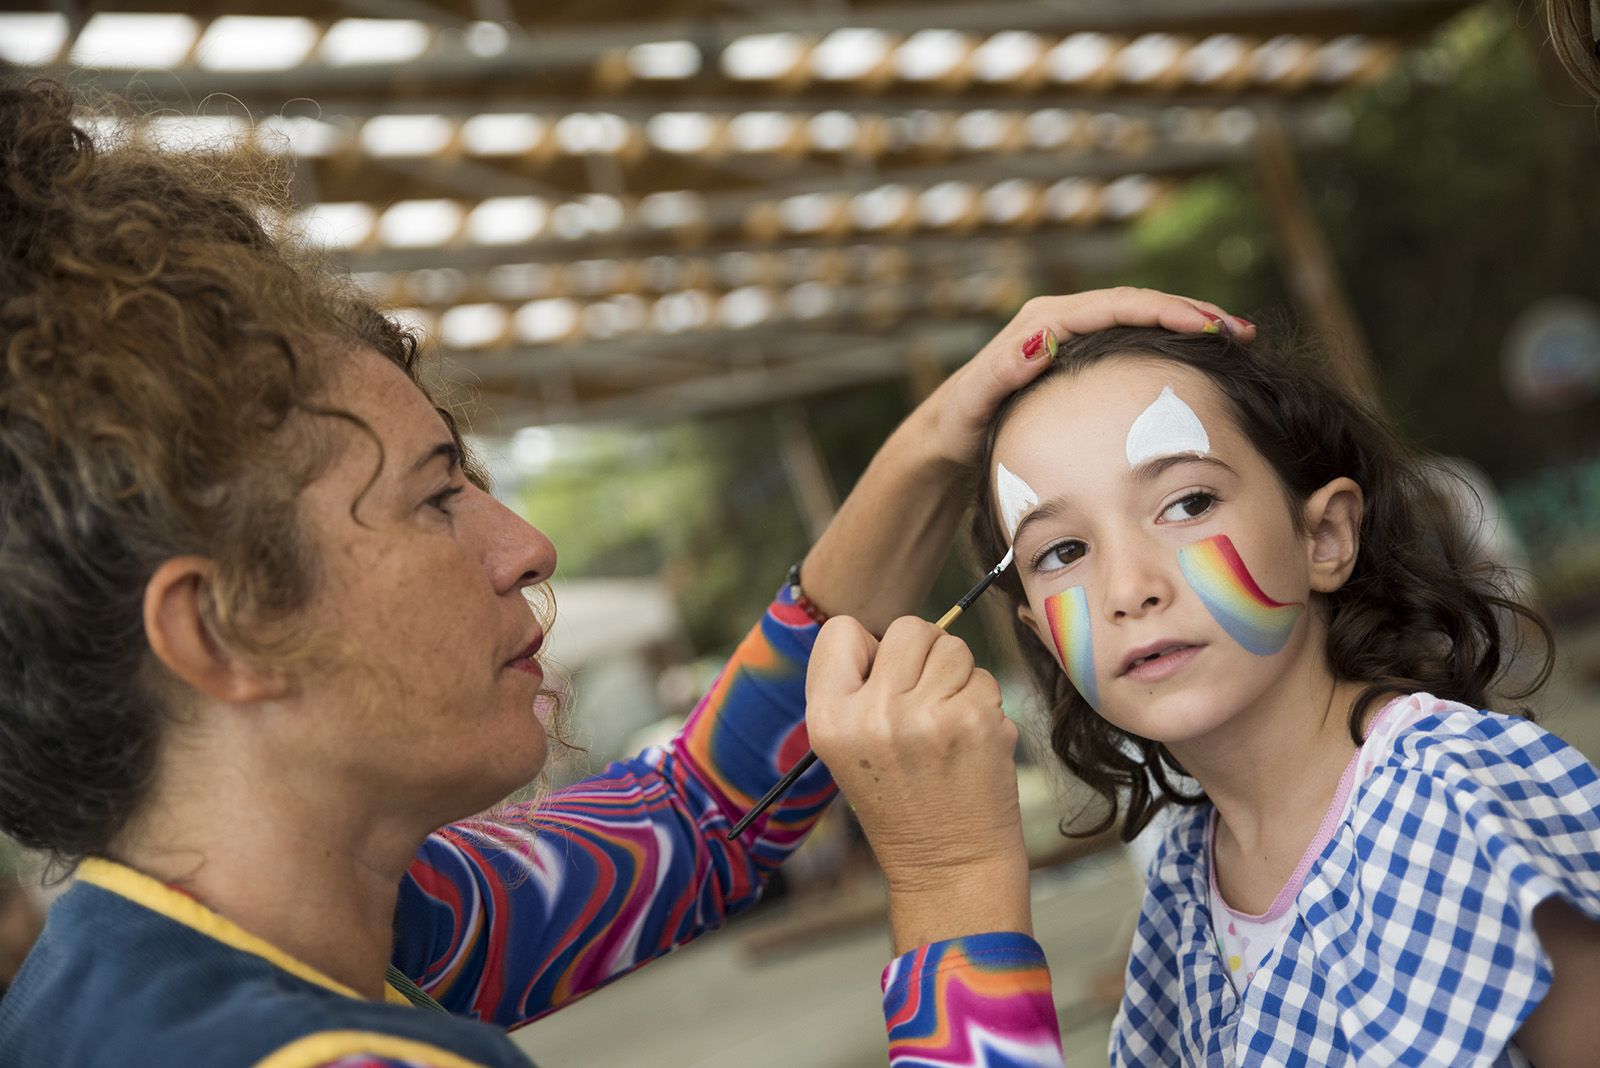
column 956, row 416
column 914, row 735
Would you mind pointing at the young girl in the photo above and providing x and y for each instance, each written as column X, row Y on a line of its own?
column 1229, row 568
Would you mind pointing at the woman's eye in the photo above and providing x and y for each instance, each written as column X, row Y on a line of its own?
column 440, row 501
column 1192, row 506
column 1060, row 555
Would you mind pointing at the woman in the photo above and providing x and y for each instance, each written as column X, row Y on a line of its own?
column 268, row 648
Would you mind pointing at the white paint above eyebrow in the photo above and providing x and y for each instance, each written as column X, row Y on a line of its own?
column 1168, row 427
column 1016, row 497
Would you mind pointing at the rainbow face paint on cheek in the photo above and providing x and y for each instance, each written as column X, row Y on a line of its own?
column 1229, row 592
column 1067, row 613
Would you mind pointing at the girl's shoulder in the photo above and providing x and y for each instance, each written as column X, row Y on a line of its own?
column 1421, row 908
column 1433, row 744
column 1476, row 813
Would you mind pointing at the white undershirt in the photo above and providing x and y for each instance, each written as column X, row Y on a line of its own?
column 1244, row 940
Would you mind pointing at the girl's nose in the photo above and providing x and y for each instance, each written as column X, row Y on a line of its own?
column 1136, row 585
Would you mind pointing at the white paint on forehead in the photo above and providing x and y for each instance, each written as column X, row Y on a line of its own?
column 1016, row 497
column 1168, row 427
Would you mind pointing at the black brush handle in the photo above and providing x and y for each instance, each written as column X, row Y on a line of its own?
column 778, row 790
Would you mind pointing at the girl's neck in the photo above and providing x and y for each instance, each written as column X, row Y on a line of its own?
column 1274, row 767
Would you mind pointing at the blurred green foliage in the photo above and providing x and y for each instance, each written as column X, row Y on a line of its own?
column 1461, row 196
column 704, row 505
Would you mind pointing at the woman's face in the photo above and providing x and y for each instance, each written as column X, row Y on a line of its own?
column 1156, row 546
column 434, row 698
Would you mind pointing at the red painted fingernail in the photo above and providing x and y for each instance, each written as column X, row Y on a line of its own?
column 1244, row 322
column 1213, row 323
column 1043, row 341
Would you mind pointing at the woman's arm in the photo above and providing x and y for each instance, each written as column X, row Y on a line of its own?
column 511, row 916
column 969, row 1002
column 923, row 752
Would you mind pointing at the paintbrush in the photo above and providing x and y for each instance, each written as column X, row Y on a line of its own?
column 782, row 785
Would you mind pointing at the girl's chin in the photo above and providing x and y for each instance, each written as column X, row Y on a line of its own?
column 1171, row 719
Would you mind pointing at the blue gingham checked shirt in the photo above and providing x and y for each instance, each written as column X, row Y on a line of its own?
column 1412, row 942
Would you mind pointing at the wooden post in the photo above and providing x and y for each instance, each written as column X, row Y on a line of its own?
column 809, row 480
column 924, row 372
column 1307, row 260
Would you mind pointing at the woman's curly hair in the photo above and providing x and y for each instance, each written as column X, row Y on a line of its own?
column 162, row 347
column 1418, row 613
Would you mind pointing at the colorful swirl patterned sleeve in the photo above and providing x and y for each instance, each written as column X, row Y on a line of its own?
column 508, row 917
column 980, row 1000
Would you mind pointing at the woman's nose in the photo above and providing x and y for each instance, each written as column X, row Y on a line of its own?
column 519, row 555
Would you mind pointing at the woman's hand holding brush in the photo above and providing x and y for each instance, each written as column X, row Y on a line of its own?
column 914, row 736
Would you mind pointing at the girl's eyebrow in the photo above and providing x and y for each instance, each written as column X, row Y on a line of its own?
column 1145, row 472
column 1153, row 469
column 1048, row 510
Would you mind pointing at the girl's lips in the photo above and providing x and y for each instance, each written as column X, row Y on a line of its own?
column 1164, row 666
column 529, row 665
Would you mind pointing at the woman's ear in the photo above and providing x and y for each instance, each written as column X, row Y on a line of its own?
column 1333, row 521
column 178, row 628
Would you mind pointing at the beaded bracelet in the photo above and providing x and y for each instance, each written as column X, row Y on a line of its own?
column 801, row 601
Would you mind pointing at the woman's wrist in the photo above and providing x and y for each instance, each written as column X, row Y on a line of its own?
column 877, row 559
column 925, row 907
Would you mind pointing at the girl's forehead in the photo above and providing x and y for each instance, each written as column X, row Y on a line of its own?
column 1089, row 413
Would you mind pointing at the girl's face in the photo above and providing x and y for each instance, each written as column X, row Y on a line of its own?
column 423, row 589
column 1157, row 548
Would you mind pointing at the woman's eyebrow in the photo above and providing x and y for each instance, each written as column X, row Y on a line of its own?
column 1153, row 469
column 447, row 450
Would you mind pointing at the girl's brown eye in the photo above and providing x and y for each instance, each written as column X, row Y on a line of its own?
column 1190, row 507
column 1060, row 555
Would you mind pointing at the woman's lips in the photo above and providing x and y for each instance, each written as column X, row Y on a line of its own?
column 1163, row 666
column 528, row 659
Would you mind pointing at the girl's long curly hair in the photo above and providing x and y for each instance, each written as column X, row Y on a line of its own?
column 1575, row 37
column 1419, row 612
column 164, row 352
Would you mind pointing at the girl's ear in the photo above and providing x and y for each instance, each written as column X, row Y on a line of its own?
column 1333, row 521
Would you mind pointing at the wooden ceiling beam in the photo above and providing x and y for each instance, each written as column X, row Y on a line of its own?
column 831, row 363
column 726, row 216
column 1099, row 250
column 896, row 102
column 583, row 30
column 568, row 60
